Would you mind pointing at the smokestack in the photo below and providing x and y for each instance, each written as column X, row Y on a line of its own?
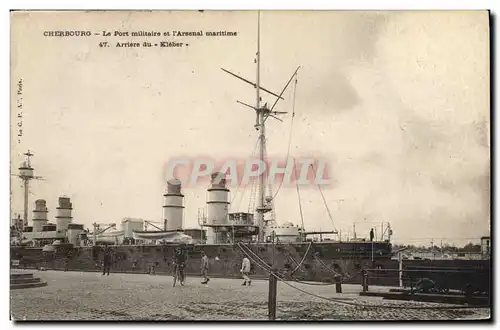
column 40, row 215
column 173, row 208
column 64, row 218
column 217, row 208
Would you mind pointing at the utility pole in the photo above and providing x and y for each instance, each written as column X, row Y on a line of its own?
column 373, row 246
column 274, row 238
column 273, row 286
column 400, row 260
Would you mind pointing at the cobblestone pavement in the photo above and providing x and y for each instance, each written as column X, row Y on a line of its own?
column 91, row 296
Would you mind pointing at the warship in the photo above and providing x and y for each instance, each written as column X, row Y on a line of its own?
column 224, row 236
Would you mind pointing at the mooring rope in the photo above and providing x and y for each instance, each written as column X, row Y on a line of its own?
column 303, row 259
column 347, row 302
column 307, row 283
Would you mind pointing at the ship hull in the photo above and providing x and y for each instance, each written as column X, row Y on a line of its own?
column 302, row 261
column 317, row 262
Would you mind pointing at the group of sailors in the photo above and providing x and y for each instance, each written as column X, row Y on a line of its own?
column 180, row 260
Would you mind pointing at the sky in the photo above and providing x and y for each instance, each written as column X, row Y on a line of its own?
column 397, row 103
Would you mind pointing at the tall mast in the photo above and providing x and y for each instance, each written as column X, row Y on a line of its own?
column 262, row 113
column 26, row 197
column 257, row 102
column 26, row 174
column 262, row 139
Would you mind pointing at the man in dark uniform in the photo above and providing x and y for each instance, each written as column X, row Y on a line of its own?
column 371, row 235
column 66, row 260
column 106, row 261
column 180, row 263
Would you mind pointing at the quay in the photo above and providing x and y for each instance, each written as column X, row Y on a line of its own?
column 91, row 296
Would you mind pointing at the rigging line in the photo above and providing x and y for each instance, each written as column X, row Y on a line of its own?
column 269, row 267
column 290, row 136
column 300, row 203
column 254, row 186
column 331, row 271
column 358, row 304
column 242, row 195
column 314, row 256
column 269, row 186
column 251, row 199
column 290, row 257
column 240, row 181
column 266, row 171
column 324, row 200
column 290, row 276
column 253, row 191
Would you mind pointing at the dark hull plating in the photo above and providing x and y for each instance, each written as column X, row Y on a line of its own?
column 320, row 264
column 224, row 260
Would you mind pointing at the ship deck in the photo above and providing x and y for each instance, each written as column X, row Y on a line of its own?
column 91, row 296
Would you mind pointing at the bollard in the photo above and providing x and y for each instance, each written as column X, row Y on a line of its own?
column 273, row 284
column 338, row 284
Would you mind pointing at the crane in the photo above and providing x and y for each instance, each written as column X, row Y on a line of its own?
column 97, row 230
column 147, row 222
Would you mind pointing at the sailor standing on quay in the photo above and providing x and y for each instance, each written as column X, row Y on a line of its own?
column 245, row 271
column 66, row 260
column 106, row 261
column 180, row 263
column 204, row 268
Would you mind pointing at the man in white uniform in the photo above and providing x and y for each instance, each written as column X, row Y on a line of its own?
column 245, row 271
